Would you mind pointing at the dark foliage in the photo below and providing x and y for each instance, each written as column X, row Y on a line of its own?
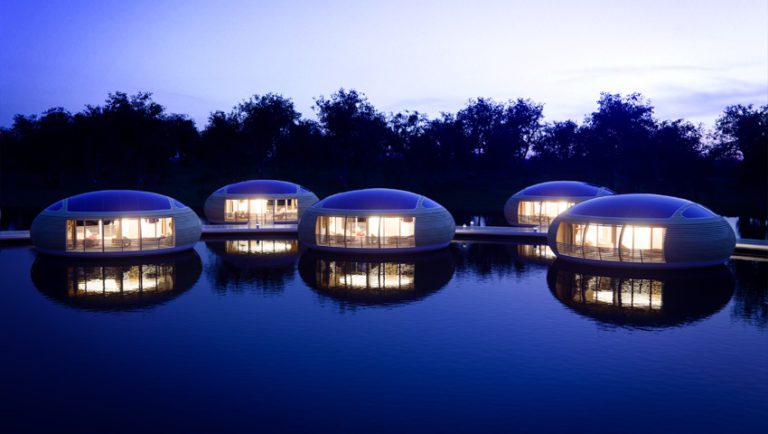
column 470, row 161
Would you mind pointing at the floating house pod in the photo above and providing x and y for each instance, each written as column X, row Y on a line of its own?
column 640, row 298
column 115, row 223
column 376, row 220
column 116, row 284
column 540, row 203
column 376, row 279
column 641, row 231
column 259, row 201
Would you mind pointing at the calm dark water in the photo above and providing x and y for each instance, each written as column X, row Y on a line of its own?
column 479, row 337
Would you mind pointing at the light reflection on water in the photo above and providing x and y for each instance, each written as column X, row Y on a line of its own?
column 116, row 284
column 634, row 298
column 376, row 280
column 261, row 335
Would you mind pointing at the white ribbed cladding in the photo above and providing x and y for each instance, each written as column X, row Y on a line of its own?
column 433, row 227
column 49, row 229
column 214, row 207
column 688, row 242
column 581, row 192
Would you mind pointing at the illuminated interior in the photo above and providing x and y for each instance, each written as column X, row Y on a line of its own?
column 261, row 247
column 261, row 210
column 365, row 275
column 105, row 280
column 627, row 293
column 540, row 212
column 605, row 242
column 380, row 232
column 120, row 235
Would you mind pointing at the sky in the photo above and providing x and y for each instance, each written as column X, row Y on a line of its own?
column 691, row 58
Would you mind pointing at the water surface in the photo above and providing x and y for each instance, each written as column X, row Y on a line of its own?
column 261, row 335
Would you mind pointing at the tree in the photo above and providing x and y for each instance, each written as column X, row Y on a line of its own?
column 356, row 132
column 618, row 136
column 741, row 134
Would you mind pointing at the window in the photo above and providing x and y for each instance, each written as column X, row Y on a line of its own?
column 120, row 235
column 262, row 211
column 625, row 243
column 380, row 232
column 541, row 213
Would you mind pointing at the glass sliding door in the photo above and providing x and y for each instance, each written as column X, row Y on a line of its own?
column 93, row 236
column 113, row 241
column 260, row 211
column 607, row 242
column 541, row 213
column 365, row 232
column 130, row 234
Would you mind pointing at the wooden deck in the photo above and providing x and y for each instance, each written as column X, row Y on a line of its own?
column 745, row 248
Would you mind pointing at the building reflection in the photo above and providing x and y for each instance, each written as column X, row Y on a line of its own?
column 536, row 253
column 116, row 284
column 641, row 298
column 376, row 280
column 260, row 264
column 499, row 259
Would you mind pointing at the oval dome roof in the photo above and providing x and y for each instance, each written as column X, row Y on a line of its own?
column 630, row 206
column 374, row 199
column 262, row 186
column 563, row 189
column 117, row 201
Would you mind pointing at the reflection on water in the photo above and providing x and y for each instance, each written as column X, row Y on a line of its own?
column 263, row 265
column 750, row 300
column 261, row 247
column 376, row 279
column 87, row 281
column 116, row 284
column 641, row 298
column 484, row 259
column 538, row 253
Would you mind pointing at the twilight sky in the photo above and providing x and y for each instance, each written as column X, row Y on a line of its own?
column 690, row 57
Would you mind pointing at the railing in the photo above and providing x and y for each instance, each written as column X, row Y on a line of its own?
column 365, row 242
column 611, row 253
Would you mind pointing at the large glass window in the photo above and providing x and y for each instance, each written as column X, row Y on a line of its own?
column 626, row 243
column 120, row 235
column 541, row 213
column 113, row 241
column 130, row 231
column 262, row 211
column 380, row 232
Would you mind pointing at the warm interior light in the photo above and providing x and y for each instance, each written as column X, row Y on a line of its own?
column 260, row 247
column 85, row 281
column 258, row 206
column 388, row 275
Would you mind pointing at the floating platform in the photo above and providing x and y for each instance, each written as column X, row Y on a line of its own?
column 499, row 231
column 745, row 248
column 289, row 228
column 10, row 236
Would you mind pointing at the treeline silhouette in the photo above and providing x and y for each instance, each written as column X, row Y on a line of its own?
column 470, row 161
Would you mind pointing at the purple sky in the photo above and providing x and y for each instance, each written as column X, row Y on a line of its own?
column 691, row 58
